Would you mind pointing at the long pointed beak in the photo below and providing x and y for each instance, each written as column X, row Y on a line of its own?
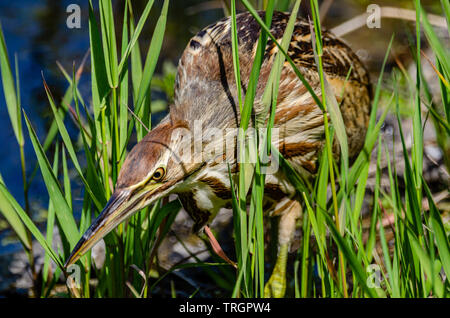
column 116, row 210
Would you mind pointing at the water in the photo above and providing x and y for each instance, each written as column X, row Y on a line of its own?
column 36, row 32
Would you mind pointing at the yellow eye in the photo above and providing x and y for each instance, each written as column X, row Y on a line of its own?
column 159, row 174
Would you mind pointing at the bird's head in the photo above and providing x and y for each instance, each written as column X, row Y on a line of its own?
column 150, row 171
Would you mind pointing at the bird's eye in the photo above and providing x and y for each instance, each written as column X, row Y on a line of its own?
column 159, row 174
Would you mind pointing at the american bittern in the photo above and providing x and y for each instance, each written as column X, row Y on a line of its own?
column 206, row 95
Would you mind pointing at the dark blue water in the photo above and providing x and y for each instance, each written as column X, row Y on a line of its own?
column 36, row 32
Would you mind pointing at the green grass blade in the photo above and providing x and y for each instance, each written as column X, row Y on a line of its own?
column 9, row 90
column 349, row 256
column 315, row 226
column 92, row 176
column 50, row 222
column 123, row 102
column 439, row 233
column 339, row 128
column 376, row 98
column 63, row 212
column 283, row 5
column 99, row 78
column 364, row 155
column 413, row 213
column 321, row 199
column 135, row 35
column 53, row 130
column 436, row 43
column 425, row 263
column 69, row 146
column 30, row 225
column 273, row 82
column 66, row 180
column 152, row 56
column 446, row 7
column 136, row 61
column 109, row 41
column 234, row 46
column 13, row 219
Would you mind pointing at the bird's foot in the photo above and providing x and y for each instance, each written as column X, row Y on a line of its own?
column 276, row 286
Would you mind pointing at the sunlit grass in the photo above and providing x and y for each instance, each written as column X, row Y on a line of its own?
column 414, row 263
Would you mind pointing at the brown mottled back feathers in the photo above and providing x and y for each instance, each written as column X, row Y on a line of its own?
column 206, row 79
column 337, row 59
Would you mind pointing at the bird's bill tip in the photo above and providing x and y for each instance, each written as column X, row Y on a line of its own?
column 112, row 215
column 76, row 253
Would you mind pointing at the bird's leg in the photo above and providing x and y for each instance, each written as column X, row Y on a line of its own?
column 276, row 286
